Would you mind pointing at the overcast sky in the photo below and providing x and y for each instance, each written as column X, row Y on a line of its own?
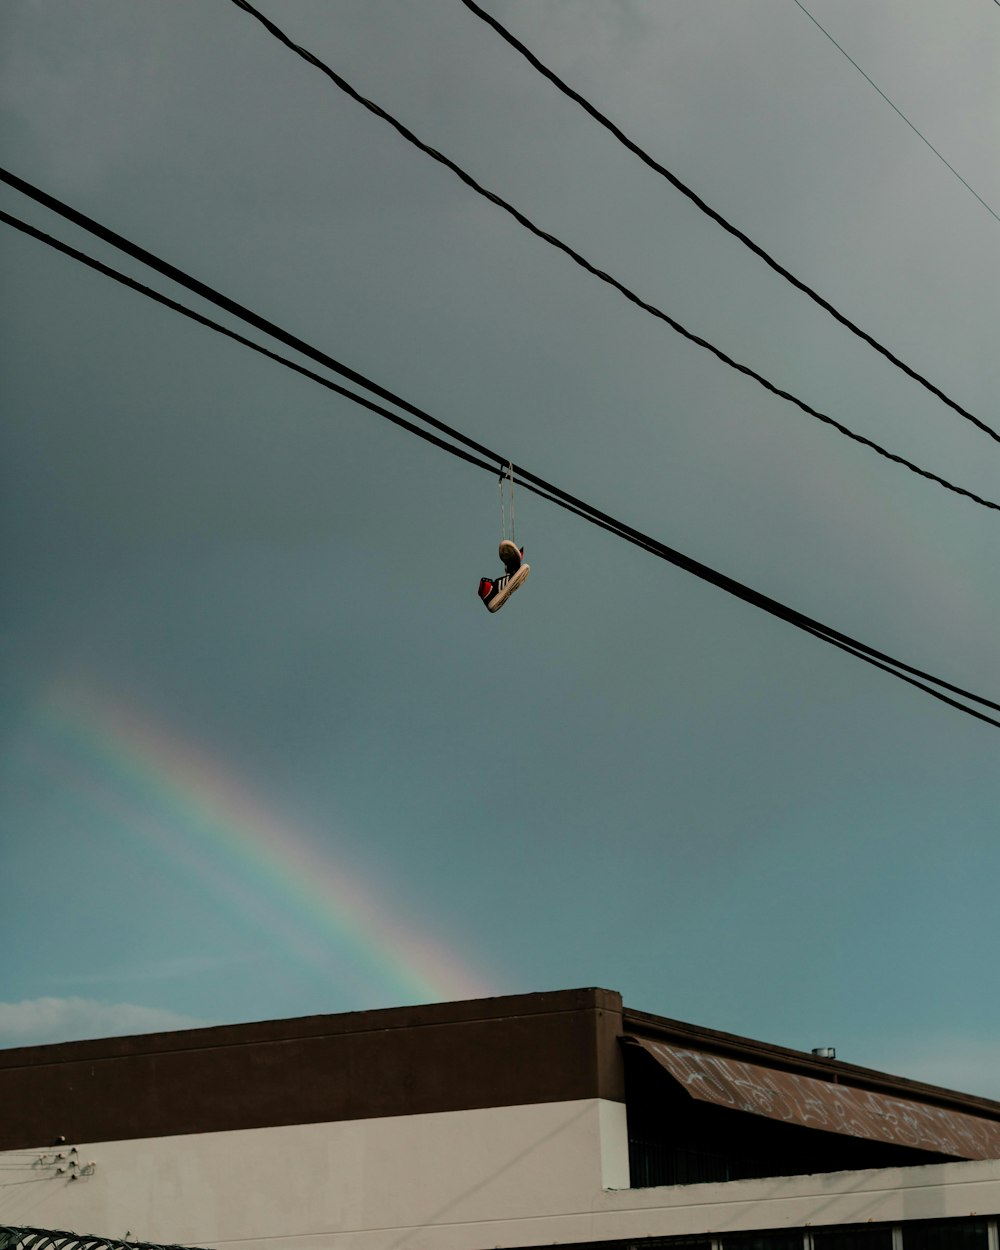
column 262, row 751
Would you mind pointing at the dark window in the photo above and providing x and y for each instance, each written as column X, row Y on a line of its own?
column 960, row 1234
column 859, row 1237
column 685, row 1243
column 763, row 1241
column 946, row 1235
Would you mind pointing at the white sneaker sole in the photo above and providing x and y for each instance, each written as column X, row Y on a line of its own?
column 517, row 580
column 509, row 554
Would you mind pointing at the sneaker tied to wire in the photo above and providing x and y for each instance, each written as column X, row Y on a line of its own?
column 495, row 591
column 511, row 555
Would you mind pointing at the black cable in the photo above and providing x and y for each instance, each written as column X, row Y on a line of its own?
column 696, row 199
column 886, row 668
column 223, row 301
column 490, row 467
column 599, row 273
column 172, row 304
column 201, row 319
column 527, row 480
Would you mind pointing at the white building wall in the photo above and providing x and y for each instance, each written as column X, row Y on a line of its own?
column 466, row 1180
column 384, row 1176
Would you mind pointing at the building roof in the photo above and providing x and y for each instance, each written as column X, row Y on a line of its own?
column 508, row 1051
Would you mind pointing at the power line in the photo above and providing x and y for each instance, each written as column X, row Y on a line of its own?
column 201, row 319
column 159, row 298
column 599, row 273
column 717, row 217
column 492, row 459
column 871, row 83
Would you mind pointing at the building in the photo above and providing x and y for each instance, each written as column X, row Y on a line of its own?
column 526, row 1121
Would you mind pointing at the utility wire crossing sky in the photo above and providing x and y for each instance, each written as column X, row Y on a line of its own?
column 629, row 294
column 696, row 199
column 554, row 494
column 255, row 715
column 922, row 137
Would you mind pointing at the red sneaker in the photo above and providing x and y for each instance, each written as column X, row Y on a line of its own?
column 495, row 592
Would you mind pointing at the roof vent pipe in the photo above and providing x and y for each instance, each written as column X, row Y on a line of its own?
column 825, row 1052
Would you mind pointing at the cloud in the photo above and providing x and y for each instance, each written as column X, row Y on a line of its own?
column 37, row 1021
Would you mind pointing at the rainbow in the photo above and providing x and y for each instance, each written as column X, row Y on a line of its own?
column 170, row 794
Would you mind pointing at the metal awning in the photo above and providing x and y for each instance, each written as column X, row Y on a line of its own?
column 825, row 1105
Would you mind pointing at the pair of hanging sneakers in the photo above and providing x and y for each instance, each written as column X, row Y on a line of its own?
column 495, row 591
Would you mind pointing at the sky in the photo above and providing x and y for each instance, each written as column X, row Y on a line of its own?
column 262, row 751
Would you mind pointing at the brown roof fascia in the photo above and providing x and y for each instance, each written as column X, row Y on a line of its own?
column 785, row 1059
column 213, row 1037
column 515, row 1050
